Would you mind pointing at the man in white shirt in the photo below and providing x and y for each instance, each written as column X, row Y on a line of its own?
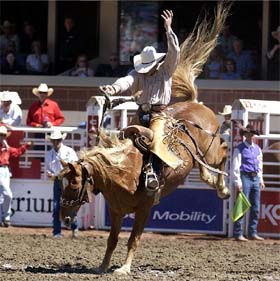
column 54, row 166
column 10, row 112
column 152, row 78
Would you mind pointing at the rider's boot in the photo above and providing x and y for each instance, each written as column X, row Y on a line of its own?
column 151, row 178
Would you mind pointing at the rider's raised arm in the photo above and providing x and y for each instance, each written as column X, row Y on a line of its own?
column 173, row 53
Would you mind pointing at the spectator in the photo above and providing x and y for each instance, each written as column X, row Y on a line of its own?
column 6, row 196
column 8, row 36
column 244, row 64
column 274, row 57
column 44, row 112
column 11, row 48
column 225, row 41
column 82, row 68
column 71, row 45
column 230, row 71
column 59, row 152
column 37, row 62
column 10, row 112
column 213, row 67
column 114, row 69
column 225, row 129
column 27, row 38
column 10, row 65
column 247, row 173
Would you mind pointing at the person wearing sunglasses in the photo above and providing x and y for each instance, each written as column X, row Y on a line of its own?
column 82, row 68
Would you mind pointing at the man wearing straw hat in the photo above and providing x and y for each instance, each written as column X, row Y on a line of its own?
column 58, row 152
column 247, row 173
column 6, row 195
column 152, row 78
column 226, row 125
column 44, row 112
column 10, row 112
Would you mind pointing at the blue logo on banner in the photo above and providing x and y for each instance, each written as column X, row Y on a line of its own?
column 184, row 209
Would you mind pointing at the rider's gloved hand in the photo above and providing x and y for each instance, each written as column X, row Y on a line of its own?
column 108, row 90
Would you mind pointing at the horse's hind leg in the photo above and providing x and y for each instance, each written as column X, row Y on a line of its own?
column 116, row 223
column 215, row 181
column 141, row 217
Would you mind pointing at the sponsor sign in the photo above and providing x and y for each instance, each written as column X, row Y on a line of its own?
column 33, row 204
column 185, row 210
column 269, row 221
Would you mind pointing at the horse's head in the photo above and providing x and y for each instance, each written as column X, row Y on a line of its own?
column 77, row 185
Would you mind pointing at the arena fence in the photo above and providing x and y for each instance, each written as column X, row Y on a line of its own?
column 193, row 207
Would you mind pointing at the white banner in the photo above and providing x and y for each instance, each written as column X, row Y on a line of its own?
column 32, row 204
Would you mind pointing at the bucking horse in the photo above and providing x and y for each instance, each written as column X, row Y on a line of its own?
column 114, row 167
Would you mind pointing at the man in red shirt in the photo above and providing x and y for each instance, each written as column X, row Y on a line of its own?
column 44, row 112
column 6, row 195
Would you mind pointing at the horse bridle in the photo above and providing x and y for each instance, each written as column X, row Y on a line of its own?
column 87, row 184
column 213, row 135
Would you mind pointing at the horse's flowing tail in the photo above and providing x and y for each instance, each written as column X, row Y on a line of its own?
column 195, row 51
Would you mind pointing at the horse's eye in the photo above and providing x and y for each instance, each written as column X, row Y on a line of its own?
column 65, row 182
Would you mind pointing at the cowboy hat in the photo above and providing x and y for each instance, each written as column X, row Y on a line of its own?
column 249, row 129
column 275, row 34
column 57, row 135
column 226, row 110
column 147, row 59
column 43, row 88
column 10, row 96
column 4, row 131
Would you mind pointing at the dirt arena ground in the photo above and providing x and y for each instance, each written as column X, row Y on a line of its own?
column 32, row 254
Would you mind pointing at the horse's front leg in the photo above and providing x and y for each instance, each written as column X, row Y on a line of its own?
column 216, row 182
column 116, row 223
column 141, row 217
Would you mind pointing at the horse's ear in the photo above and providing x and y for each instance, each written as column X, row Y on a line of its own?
column 63, row 163
column 72, row 168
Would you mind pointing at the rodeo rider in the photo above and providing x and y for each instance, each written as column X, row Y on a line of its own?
column 152, row 78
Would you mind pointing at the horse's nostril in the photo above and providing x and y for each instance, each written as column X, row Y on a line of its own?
column 67, row 220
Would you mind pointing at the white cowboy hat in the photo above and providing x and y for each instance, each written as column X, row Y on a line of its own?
column 10, row 96
column 4, row 131
column 226, row 110
column 275, row 34
column 147, row 59
column 57, row 135
column 43, row 87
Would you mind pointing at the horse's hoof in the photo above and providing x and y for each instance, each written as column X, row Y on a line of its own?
column 100, row 270
column 225, row 194
column 124, row 270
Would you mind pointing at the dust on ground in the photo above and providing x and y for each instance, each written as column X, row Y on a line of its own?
column 33, row 254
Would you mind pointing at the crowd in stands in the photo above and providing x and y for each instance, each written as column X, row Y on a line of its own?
column 24, row 53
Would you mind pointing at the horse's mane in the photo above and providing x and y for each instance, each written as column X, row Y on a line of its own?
column 195, row 51
column 109, row 155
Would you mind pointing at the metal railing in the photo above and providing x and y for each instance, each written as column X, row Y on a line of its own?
column 41, row 144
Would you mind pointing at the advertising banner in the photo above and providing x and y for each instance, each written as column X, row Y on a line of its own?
column 269, row 222
column 33, row 204
column 185, row 210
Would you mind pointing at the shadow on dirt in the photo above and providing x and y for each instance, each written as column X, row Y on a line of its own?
column 68, row 269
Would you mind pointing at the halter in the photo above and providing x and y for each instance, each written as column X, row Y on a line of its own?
column 87, row 182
